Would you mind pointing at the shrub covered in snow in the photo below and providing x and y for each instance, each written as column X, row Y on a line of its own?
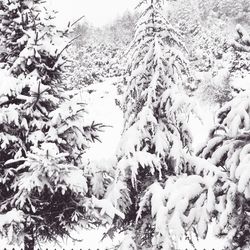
column 241, row 53
column 93, row 62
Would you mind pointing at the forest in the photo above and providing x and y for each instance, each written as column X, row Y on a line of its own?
column 137, row 131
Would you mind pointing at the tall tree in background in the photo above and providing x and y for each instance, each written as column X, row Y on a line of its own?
column 44, row 189
column 161, row 188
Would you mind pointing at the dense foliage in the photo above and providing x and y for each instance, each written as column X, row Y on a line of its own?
column 46, row 190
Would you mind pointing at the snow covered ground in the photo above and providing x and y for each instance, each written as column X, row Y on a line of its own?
column 102, row 109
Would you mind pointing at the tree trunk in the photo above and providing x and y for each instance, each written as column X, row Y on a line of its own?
column 29, row 241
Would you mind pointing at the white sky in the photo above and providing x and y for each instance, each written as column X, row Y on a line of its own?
column 97, row 12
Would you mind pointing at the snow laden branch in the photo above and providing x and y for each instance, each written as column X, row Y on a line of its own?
column 228, row 148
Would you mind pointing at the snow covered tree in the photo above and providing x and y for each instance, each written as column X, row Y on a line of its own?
column 234, row 10
column 228, row 149
column 182, row 13
column 160, row 187
column 45, row 188
column 240, row 49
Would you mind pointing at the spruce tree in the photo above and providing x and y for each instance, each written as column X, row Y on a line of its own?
column 45, row 188
column 228, row 149
column 162, row 189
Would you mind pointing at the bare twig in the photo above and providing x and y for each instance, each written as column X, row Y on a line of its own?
column 75, row 22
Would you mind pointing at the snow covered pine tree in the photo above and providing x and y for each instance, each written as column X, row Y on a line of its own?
column 159, row 184
column 44, row 191
column 229, row 149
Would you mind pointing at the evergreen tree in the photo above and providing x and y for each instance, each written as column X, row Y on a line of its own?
column 240, row 50
column 45, row 188
column 159, row 185
column 188, row 23
column 228, row 149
